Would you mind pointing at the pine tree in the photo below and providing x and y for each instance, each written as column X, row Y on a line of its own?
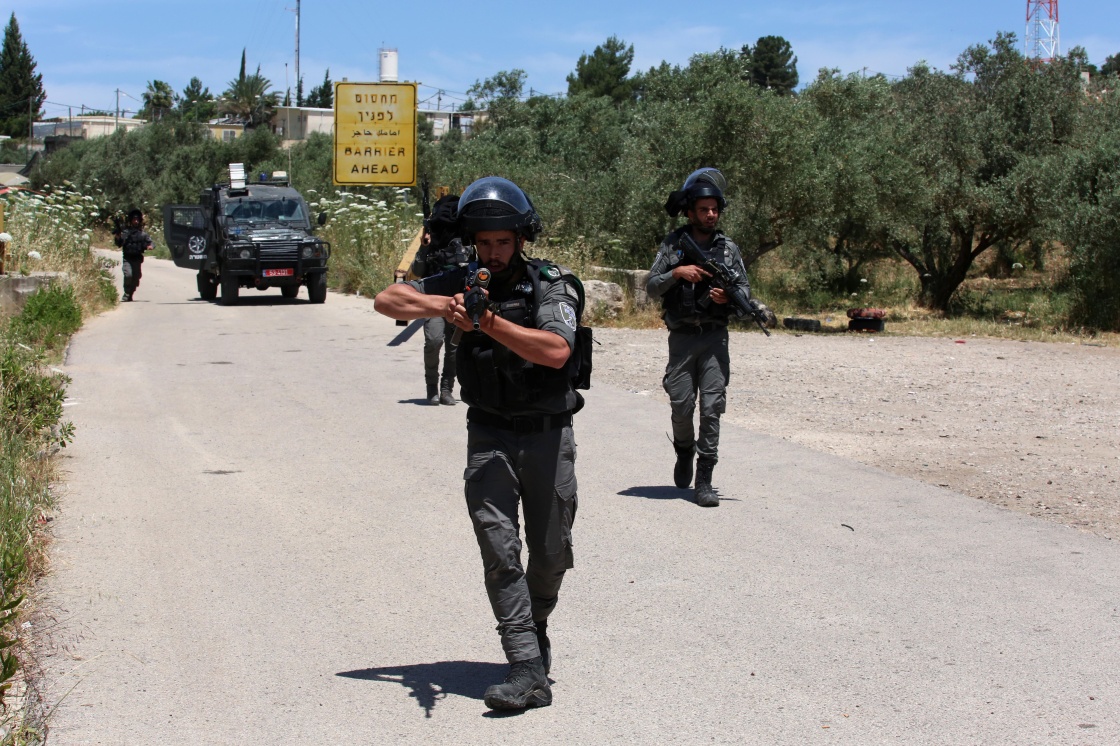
column 19, row 84
column 321, row 96
column 604, row 72
column 772, row 64
column 1111, row 65
column 196, row 104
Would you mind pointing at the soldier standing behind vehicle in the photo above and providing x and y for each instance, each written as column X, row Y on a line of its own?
column 696, row 314
column 133, row 241
column 441, row 250
column 516, row 370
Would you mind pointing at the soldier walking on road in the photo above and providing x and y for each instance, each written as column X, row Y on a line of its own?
column 696, row 314
column 518, row 366
column 133, row 241
column 442, row 250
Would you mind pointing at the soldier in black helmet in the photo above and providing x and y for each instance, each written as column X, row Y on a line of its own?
column 134, row 241
column 696, row 314
column 516, row 377
column 441, row 250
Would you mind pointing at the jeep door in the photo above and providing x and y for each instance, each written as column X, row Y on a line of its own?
column 185, row 230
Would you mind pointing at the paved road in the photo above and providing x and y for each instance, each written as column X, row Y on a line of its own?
column 263, row 540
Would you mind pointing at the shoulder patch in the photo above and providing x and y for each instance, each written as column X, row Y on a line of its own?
column 569, row 315
column 550, row 272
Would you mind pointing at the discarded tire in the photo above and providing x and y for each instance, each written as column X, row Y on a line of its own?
column 802, row 325
column 865, row 325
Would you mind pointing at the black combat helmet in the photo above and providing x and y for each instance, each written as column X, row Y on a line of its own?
column 443, row 223
column 496, row 204
column 135, row 215
column 701, row 183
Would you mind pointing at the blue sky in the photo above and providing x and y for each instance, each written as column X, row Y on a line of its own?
column 86, row 49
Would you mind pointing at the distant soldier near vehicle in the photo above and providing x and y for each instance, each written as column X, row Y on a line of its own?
column 697, row 311
column 133, row 241
column 521, row 358
column 440, row 250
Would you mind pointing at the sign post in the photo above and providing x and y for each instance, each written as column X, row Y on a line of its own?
column 375, row 134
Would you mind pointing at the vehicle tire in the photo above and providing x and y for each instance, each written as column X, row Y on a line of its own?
column 230, row 289
column 289, row 291
column 207, row 286
column 317, row 288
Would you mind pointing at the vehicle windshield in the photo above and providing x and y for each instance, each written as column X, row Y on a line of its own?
column 258, row 211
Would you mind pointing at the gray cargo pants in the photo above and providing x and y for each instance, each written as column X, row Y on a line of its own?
column 131, row 268
column 438, row 333
column 698, row 363
column 538, row 470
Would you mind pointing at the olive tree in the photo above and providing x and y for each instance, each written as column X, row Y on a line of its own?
column 977, row 144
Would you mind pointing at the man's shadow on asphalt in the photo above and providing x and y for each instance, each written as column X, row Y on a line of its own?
column 430, row 682
column 662, row 492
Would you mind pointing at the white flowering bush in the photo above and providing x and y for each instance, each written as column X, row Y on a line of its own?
column 368, row 237
column 53, row 232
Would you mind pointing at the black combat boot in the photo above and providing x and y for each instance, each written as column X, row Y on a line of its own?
column 682, row 472
column 526, row 685
column 544, row 644
column 706, row 496
column 445, row 393
column 433, row 394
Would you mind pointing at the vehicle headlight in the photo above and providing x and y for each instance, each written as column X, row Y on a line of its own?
column 246, row 254
column 308, row 251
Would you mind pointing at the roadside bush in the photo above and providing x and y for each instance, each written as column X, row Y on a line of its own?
column 31, row 427
column 368, row 236
column 49, row 319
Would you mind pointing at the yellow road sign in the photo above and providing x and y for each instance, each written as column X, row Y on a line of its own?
column 375, row 134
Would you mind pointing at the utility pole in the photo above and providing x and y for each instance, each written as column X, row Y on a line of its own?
column 117, row 118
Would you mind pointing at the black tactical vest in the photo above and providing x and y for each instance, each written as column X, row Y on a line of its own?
column 494, row 378
column 133, row 243
column 690, row 299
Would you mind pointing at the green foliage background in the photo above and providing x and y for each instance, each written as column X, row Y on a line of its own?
column 944, row 174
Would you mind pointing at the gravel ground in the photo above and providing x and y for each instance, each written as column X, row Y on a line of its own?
column 1030, row 426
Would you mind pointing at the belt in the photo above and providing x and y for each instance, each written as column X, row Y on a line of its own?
column 698, row 328
column 526, row 425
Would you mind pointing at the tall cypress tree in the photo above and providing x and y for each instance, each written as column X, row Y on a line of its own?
column 19, row 84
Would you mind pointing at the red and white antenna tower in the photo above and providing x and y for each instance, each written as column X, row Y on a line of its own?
column 1042, row 30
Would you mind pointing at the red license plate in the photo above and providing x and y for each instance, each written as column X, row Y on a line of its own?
column 279, row 272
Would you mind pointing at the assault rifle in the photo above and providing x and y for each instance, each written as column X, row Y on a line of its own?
column 726, row 279
column 474, row 299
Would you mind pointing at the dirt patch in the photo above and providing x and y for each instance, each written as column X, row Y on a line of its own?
column 1031, row 426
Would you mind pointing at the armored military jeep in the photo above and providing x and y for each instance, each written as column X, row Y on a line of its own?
column 249, row 235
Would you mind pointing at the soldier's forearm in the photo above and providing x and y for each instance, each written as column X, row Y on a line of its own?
column 405, row 303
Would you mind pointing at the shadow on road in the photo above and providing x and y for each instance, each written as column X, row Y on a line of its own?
column 430, row 682
column 419, row 402
column 405, row 335
column 660, row 492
